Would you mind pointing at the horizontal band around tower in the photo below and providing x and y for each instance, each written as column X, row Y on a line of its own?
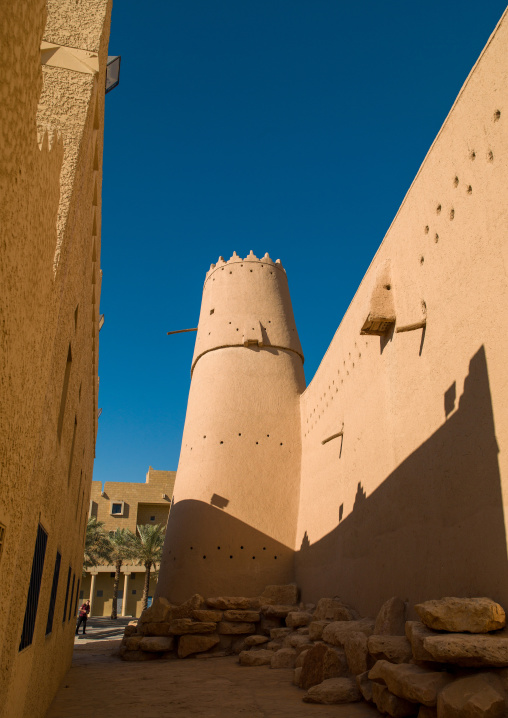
column 242, row 346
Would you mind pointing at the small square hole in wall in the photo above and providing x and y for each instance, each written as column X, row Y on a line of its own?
column 112, row 574
column 133, row 591
column 152, row 518
column 212, row 311
column 100, row 593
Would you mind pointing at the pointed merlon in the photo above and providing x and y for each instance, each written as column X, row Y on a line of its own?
column 251, row 257
column 267, row 259
column 234, row 258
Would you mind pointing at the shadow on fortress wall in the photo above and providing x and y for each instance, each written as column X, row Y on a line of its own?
column 435, row 527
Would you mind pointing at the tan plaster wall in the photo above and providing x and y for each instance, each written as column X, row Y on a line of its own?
column 411, row 501
column 232, row 528
column 45, row 177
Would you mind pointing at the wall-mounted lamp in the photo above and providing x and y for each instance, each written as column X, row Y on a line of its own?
column 112, row 72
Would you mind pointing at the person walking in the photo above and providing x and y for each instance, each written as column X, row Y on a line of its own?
column 83, row 615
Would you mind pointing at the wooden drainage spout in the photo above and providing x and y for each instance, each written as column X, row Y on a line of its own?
column 181, row 331
column 410, row 327
column 333, row 436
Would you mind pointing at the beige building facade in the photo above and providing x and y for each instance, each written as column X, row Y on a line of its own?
column 53, row 57
column 388, row 474
column 125, row 505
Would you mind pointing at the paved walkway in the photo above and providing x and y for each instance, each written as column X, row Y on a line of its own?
column 100, row 629
column 100, row 685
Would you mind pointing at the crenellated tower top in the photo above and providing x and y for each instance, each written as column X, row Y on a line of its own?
column 246, row 303
column 236, row 259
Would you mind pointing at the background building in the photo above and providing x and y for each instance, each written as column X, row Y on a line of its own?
column 126, row 505
column 53, row 58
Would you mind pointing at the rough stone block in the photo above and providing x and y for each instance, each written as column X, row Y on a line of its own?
column 157, row 644
column 157, row 612
column 296, row 676
column 276, row 610
column 283, row 658
column 256, row 640
column 357, row 654
column 130, row 631
column 316, row 629
column 281, row 633
column 230, row 603
column 322, row 662
column 477, row 696
column 396, row 649
column 295, row 619
column 365, row 685
column 334, row 690
column 188, row 645
column 235, row 627
column 387, row 702
column 410, row 682
column 294, row 640
column 155, row 629
column 132, row 643
column 461, row 615
column 416, row 633
column 255, row 658
column 247, row 616
column 390, row 620
column 274, row 645
column 337, row 632
column 301, row 658
column 465, row 649
column 204, row 614
column 181, row 626
column 331, row 609
column 185, row 609
column 268, row 624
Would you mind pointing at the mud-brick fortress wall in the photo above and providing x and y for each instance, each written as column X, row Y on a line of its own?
column 411, row 499
column 53, row 58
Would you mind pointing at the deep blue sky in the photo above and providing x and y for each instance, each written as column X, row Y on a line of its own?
column 288, row 126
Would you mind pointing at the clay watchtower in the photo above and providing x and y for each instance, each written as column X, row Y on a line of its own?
column 232, row 528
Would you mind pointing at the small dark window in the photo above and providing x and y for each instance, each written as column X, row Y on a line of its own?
column 34, row 588
column 81, row 595
column 72, row 596
column 100, row 593
column 117, row 508
column 65, row 388
column 152, row 518
column 54, row 589
column 2, row 538
column 112, row 574
column 67, row 593
column 133, row 591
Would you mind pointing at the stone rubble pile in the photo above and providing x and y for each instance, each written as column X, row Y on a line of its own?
column 453, row 663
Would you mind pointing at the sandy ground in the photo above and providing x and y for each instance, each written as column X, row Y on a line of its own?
column 100, row 685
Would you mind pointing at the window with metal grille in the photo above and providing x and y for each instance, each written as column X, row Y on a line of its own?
column 54, row 589
column 72, row 596
column 34, row 588
column 76, row 599
column 67, row 593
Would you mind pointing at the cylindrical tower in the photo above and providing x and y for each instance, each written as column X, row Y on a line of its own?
column 232, row 528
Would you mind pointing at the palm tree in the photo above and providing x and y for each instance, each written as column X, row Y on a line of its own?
column 97, row 544
column 145, row 547
column 119, row 542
